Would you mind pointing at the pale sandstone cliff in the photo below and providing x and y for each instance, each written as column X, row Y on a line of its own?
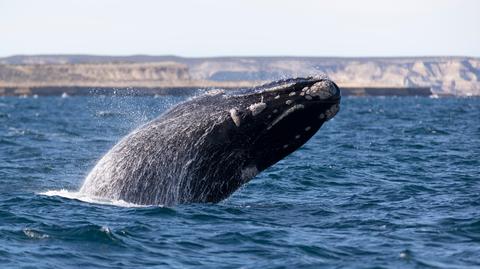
column 444, row 75
column 108, row 74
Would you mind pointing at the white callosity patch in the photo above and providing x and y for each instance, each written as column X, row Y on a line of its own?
column 323, row 89
column 257, row 108
column 248, row 173
column 284, row 114
column 322, row 76
column 288, row 102
column 332, row 111
column 279, row 87
column 235, row 117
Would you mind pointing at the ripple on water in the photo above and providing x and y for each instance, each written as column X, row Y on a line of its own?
column 390, row 183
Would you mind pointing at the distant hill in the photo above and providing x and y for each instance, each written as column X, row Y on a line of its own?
column 444, row 75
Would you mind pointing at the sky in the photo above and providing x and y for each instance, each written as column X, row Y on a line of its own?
column 203, row 28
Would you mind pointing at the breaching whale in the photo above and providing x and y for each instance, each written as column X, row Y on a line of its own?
column 204, row 149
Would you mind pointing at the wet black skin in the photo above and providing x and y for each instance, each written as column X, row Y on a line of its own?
column 196, row 153
column 255, row 144
column 268, row 147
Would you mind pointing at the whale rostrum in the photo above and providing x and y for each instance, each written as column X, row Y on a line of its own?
column 205, row 148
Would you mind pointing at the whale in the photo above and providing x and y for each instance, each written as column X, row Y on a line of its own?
column 204, row 149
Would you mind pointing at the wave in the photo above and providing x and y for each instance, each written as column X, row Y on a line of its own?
column 75, row 195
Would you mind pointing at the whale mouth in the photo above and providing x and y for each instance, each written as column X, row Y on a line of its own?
column 301, row 115
column 285, row 114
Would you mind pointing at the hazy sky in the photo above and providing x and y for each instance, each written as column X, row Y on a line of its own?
column 241, row 27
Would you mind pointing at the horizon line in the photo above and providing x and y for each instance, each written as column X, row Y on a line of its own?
column 230, row 56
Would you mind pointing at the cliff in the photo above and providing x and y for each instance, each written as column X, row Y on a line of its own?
column 443, row 75
column 95, row 75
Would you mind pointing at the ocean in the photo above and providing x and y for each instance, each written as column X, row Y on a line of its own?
column 390, row 182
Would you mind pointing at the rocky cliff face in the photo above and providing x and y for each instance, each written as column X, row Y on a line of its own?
column 99, row 74
column 444, row 75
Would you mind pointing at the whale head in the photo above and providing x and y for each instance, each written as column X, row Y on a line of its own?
column 276, row 119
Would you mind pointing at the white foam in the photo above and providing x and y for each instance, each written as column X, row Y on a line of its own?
column 34, row 234
column 89, row 199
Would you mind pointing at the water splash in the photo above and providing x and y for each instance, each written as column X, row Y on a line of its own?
column 89, row 199
column 33, row 234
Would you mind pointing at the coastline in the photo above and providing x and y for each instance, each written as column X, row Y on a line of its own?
column 144, row 75
column 184, row 90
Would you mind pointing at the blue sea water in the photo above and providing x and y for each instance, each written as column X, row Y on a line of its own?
column 388, row 183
